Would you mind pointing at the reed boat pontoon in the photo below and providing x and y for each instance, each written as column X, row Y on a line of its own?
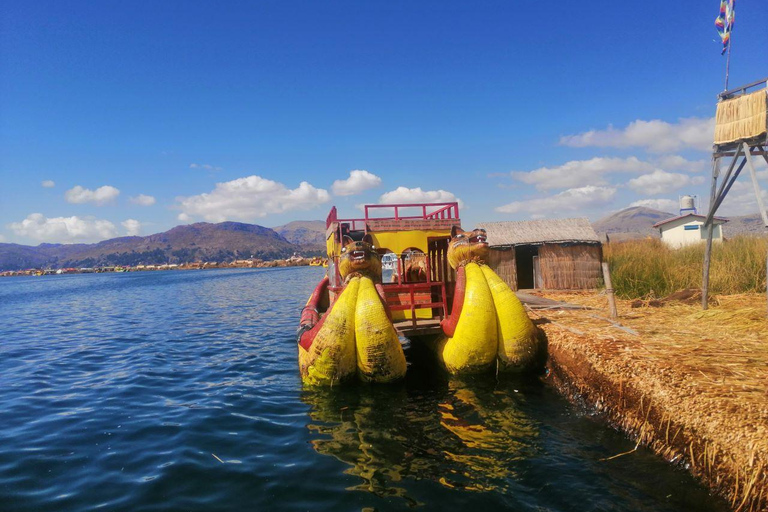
column 408, row 270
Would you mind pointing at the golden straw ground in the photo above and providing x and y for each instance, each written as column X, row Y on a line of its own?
column 692, row 384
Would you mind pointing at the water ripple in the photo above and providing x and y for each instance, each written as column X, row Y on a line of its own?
column 179, row 391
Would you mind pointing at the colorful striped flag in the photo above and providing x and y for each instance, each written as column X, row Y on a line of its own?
column 724, row 22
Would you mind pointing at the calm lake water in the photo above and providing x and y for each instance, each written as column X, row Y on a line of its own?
column 180, row 391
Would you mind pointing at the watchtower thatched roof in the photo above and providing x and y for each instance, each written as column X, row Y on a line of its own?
column 533, row 232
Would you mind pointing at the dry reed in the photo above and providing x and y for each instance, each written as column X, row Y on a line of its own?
column 648, row 268
column 693, row 385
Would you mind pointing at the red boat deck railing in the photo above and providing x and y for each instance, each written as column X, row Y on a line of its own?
column 409, row 296
column 442, row 211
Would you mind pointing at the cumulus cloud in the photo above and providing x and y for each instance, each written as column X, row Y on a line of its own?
column 678, row 163
column 207, row 167
column 63, row 229
column 578, row 173
column 183, row 217
column 741, row 198
column 132, row 227
column 249, row 198
column 143, row 200
column 659, row 182
column 665, row 205
column 99, row 197
column 573, row 199
column 48, row 183
column 357, row 182
column 743, row 203
column 416, row 195
column 656, row 136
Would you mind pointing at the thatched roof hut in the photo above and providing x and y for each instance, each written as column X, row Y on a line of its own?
column 556, row 254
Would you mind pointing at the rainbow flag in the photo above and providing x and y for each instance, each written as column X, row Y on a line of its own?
column 724, row 22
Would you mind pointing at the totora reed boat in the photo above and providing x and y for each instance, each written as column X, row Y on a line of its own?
column 435, row 287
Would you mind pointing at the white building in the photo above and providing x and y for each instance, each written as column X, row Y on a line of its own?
column 689, row 229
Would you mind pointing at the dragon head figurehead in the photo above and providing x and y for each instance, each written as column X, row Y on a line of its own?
column 360, row 258
column 467, row 246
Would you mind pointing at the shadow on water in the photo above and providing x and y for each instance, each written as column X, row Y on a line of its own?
column 454, row 436
column 486, row 441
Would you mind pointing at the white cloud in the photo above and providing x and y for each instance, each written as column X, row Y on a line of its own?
column 183, row 217
column 656, row 136
column 132, row 227
column 404, row 195
column 207, row 167
column 143, row 200
column 578, row 173
column 743, row 203
column 249, row 198
column 665, row 205
column 659, row 182
column 357, row 182
column 678, row 163
column 2, row 238
column 63, row 229
column 48, row 183
column 574, row 199
column 99, row 197
column 741, row 198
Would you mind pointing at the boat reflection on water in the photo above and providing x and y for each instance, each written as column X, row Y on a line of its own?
column 457, row 434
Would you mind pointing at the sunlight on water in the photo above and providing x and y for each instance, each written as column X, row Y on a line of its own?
column 180, row 391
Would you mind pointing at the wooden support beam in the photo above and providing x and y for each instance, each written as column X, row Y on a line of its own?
column 756, row 185
column 727, row 186
column 717, row 197
column 708, row 251
column 609, row 291
column 742, row 89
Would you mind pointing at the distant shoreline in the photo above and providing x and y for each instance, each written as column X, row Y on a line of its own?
column 291, row 262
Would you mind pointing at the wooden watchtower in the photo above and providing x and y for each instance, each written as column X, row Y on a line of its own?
column 741, row 133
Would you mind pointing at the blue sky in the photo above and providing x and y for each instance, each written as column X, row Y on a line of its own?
column 139, row 116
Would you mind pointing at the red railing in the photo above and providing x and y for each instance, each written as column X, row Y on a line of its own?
column 411, row 289
column 444, row 211
column 408, row 296
column 354, row 224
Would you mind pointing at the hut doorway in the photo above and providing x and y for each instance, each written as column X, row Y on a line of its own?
column 527, row 258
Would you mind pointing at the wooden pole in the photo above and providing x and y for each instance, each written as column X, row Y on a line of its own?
column 756, row 185
column 708, row 251
column 609, row 291
column 728, row 61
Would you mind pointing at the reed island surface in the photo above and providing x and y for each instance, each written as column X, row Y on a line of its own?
column 690, row 384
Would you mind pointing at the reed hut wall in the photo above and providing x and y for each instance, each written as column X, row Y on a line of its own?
column 502, row 261
column 570, row 267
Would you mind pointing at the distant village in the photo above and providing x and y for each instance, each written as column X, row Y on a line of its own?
column 294, row 261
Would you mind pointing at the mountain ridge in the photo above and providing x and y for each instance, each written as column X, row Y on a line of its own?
column 201, row 241
column 638, row 221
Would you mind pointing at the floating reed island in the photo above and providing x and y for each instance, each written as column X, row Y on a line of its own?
column 691, row 384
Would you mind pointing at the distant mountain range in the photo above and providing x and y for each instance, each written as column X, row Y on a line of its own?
column 634, row 222
column 638, row 221
column 228, row 241
column 225, row 241
column 309, row 234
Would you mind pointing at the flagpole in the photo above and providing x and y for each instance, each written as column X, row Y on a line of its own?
column 728, row 61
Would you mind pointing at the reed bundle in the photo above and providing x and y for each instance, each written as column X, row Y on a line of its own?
column 692, row 385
